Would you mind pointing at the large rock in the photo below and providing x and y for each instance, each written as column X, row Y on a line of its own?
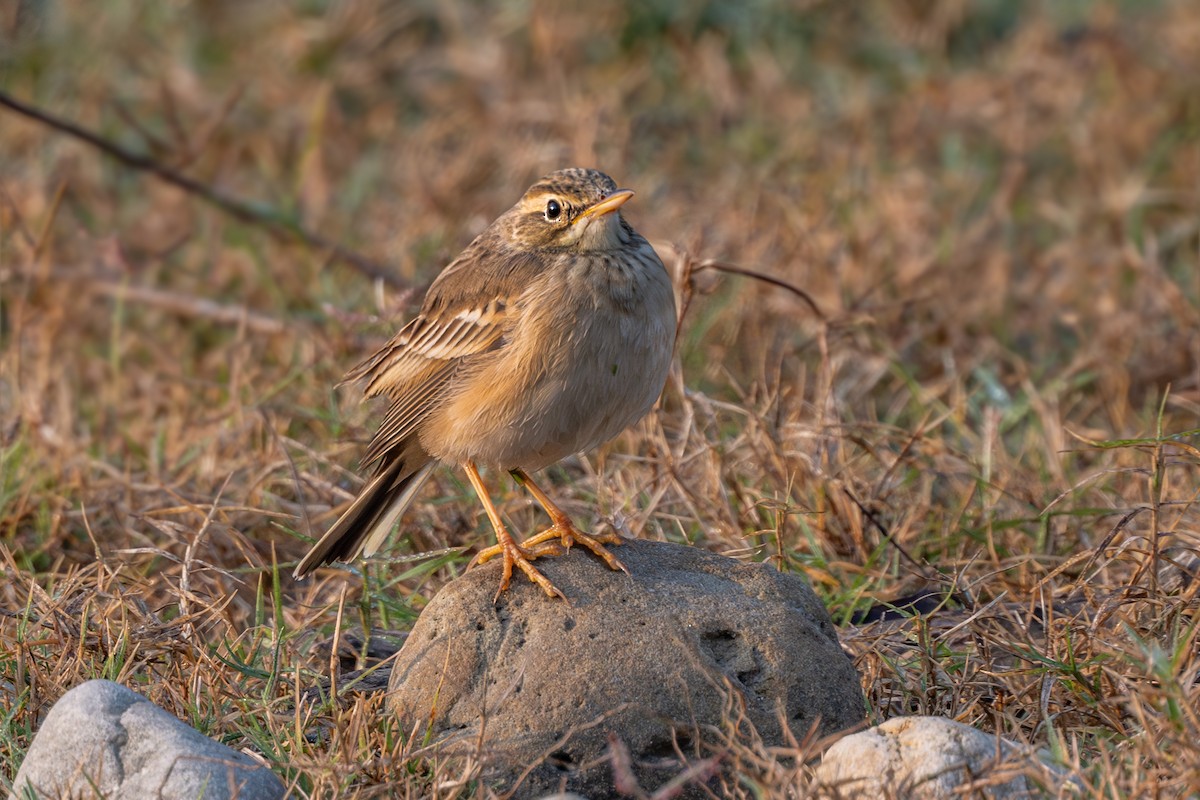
column 660, row 658
column 931, row 758
column 103, row 740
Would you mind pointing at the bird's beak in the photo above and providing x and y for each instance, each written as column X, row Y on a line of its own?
column 607, row 205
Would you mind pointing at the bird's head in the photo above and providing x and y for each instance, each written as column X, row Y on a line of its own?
column 571, row 209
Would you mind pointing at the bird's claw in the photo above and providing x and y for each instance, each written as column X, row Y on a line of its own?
column 520, row 555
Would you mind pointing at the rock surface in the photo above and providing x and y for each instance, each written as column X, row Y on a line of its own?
column 929, row 758
column 686, row 641
column 103, row 740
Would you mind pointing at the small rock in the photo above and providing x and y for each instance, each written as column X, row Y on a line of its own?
column 929, row 758
column 103, row 740
column 687, row 640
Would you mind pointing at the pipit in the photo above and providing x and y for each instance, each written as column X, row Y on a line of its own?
column 548, row 336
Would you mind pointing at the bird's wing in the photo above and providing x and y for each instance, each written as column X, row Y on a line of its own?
column 426, row 345
column 467, row 311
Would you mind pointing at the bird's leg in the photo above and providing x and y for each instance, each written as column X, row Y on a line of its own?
column 506, row 546
column 564, row 529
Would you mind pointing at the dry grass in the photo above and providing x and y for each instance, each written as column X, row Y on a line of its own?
column 995, row 205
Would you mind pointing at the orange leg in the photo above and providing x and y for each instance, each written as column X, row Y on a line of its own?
column 513, row 553
column 564, row 529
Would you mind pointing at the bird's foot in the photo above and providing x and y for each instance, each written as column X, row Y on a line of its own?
column 567, row 535
column 520, row 555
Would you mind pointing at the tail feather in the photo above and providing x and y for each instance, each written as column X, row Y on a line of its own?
column 365, row 525
column 408, row 489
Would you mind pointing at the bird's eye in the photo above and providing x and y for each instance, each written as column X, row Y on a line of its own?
column 553, row 210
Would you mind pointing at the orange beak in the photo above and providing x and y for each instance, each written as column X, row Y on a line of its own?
column 607, row 205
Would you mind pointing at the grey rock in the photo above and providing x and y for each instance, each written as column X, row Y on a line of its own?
column 103, row 740
column 688, row 644
column 929, row 758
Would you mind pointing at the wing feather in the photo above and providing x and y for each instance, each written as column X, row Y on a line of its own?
column 468, row 310
column 405, row 414
column 416, row 366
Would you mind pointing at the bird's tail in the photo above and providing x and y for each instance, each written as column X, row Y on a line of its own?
column 365, row 525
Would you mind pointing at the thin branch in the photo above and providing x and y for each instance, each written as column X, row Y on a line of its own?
column 189, row 307
column 182, row 305
column 239, row 209
column 724, row 266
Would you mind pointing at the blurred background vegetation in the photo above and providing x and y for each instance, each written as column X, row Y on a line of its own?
column 994, row 205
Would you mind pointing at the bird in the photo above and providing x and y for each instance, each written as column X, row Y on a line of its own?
column 550, row 334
